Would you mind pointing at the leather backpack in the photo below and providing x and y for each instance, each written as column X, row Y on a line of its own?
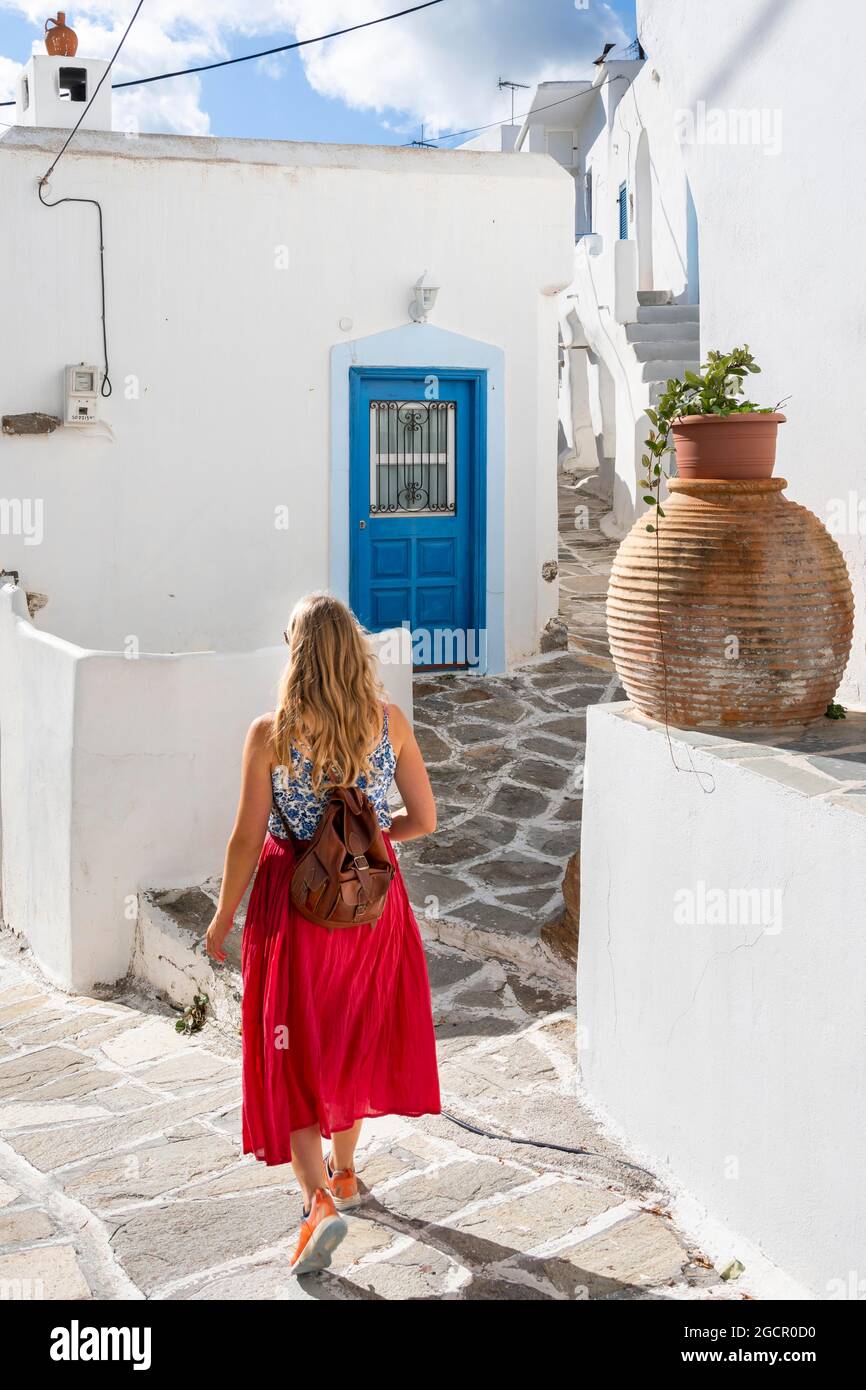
column 343, row 873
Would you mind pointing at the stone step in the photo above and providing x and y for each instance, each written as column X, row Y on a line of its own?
column 660, row 369
column 669, row 313
column 169, row 952
column 654, row 297
column 673, row 350
column 679, row 330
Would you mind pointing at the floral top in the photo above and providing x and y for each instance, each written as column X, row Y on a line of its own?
column 302, row 807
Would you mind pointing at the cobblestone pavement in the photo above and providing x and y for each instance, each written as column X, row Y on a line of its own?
column 505, row 755
column 121, row 1174
column 585, row 559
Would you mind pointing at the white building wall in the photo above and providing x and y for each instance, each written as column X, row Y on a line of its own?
column 160, row 524
column 781, row 231
column 118, row 775
column 733, row 1054
column 626, row 136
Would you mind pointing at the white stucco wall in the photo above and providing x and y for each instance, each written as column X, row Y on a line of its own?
column 732, row 1055
column 781, row 231
column 632, row 102
column 118, row 775
column 627, row 135
column 164, row 527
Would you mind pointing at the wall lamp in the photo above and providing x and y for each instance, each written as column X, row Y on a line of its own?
column 425, row 298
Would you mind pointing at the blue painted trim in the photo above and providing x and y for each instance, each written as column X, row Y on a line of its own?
column 418, row 346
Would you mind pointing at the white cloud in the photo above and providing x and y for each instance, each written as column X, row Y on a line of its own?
column 9, row 70
column 439, row 66
column 442, row 66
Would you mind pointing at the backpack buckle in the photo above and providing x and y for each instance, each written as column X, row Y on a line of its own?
column 361, row 861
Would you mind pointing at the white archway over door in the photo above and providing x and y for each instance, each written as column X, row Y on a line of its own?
column 644, row 213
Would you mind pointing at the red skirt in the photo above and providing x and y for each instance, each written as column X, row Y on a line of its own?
column 336, row 1025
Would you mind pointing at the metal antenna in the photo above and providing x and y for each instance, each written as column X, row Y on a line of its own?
column 514, row 86
column 423, row 144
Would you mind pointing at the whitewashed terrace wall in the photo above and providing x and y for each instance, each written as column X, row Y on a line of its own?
column 781, row 233
column 117, row 775
column 732, row 1057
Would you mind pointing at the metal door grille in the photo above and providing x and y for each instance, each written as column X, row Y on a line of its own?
column 412, row 457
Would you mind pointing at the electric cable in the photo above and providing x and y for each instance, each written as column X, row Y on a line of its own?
column 105, row 388
column 265, row 52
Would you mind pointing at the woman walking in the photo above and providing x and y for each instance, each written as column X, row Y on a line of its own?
column 336, row 1024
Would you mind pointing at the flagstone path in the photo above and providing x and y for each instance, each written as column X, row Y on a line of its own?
column 121, row 1174
column 585, row 559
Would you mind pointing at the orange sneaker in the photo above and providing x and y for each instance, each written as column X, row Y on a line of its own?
column 343, row 1186
column 321, row 1233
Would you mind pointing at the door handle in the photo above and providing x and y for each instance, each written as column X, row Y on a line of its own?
column 362, row 525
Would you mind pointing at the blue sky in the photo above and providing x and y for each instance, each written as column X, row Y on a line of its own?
column 440, row 66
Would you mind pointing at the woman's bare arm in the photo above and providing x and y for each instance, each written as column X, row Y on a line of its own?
column 411, row 777
column 247, row 837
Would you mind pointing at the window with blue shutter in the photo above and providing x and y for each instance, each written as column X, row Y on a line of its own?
column 623, row 212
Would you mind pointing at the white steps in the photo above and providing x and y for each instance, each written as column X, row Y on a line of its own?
column 681, row 331
column 669, row 313
column 671, row 350
column 661, row 369
column 653, row 297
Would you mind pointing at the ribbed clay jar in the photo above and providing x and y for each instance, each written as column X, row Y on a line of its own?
column 737, row 611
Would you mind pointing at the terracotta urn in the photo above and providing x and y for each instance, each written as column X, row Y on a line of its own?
column 726, row 446
column 61, row 41
column 737, row 611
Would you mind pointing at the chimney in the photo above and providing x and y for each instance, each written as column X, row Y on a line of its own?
column 55, row 86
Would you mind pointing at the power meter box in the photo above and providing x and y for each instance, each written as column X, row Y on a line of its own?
column 82, row 394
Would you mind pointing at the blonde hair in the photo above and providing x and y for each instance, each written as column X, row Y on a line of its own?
column 330, row 699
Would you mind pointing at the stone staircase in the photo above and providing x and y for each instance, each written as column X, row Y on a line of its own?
column 665, row 341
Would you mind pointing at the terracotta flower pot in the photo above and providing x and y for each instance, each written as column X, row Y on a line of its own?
column 61, row 41
column 738, row 611
column 726, row 446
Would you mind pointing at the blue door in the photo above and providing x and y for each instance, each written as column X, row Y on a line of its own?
column 416, row 482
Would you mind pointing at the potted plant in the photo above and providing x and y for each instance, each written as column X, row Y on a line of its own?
column 717, row 433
